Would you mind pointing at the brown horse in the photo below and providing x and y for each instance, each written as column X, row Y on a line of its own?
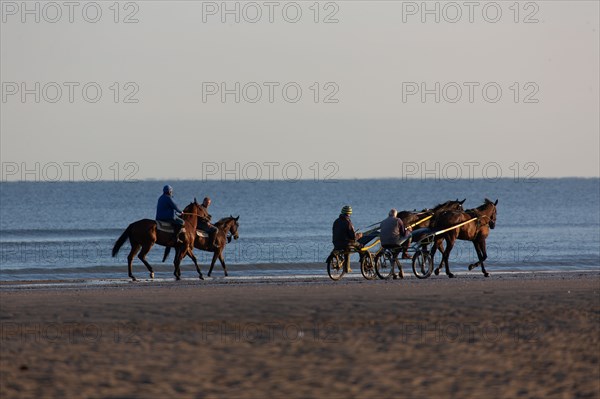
column 225, row 226
column 143, row 234
column 475, row 231
column 427, row 217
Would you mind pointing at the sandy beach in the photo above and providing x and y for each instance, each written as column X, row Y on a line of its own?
column 509, row 336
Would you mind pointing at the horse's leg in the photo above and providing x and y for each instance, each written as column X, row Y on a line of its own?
column 482, row 255
column 142, row 256
column 477, row 246
column 167, row 250
column 191, row 255
column 449, row 245
column 134, row 250
column 437, row 245
column 177, row 262
column 212, row 263
column 440, row 247
column 222, row 260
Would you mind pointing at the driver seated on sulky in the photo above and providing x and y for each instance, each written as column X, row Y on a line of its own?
column 392, row 231
column 344, row 236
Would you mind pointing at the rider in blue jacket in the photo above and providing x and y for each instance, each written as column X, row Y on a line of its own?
column 168, row 211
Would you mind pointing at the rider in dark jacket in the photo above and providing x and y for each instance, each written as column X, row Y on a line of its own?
column 343, row 234
column 168, row 211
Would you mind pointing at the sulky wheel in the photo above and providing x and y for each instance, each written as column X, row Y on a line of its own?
column 334, row 267
column 384, row 265
column 367, row 266
column 422, row 264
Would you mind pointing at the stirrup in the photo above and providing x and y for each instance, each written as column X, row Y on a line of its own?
column 177, row 239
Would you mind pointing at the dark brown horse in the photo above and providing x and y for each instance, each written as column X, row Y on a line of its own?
column 143, row 234
column 427, row 217
column 475, row 231
column 410, row 218
column 226, row 226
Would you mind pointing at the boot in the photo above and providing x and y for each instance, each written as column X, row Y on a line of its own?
column 177, row 231
column 213, row 239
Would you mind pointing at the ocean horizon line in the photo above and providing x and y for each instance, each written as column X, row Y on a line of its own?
column 308, row 180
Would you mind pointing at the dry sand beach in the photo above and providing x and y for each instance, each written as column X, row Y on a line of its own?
column 509, row 336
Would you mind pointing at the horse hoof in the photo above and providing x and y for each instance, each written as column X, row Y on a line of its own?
column 450, row 275
column 200, row 277
column 208, row 274
column 152, row 275
column 133, row 278
column 437, row 272
column 471, row 267
column 486, row 274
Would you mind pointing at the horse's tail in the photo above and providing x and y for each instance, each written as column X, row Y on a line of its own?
column 121, row 241
column 167, row 250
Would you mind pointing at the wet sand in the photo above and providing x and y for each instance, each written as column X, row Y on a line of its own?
column 508, row 336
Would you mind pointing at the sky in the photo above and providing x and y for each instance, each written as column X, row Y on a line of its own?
column 299, row 90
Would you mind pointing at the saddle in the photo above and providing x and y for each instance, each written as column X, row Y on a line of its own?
column 167, row 227
column 201, row 233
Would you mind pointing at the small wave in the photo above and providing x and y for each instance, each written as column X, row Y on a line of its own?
column 9, row 235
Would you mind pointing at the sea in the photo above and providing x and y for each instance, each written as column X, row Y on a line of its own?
column 66, row 230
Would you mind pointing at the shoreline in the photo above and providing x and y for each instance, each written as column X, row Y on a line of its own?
column 219, row 279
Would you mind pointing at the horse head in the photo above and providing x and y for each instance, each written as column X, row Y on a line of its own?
column 229, row 225
column 234, row 227
column 456, row 205
column 489, row 209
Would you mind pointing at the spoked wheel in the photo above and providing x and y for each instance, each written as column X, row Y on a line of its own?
column 422, row 264
column 334, row 267
column 383, row 265
column 367, row 267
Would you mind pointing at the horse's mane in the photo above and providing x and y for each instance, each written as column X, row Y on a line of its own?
column 445, row 204
column 486, row 202
column 438, row 206
column 224, row 220
column 190, row 205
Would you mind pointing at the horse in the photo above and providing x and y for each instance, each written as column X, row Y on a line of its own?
column 427, row 217
column 225, row 226
column 143, row 234
column 412, row 217
column 476, row 232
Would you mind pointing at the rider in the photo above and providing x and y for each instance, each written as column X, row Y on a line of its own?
column 392, row 231
column 204, row 221
column 344, row 236
column 168, row 211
